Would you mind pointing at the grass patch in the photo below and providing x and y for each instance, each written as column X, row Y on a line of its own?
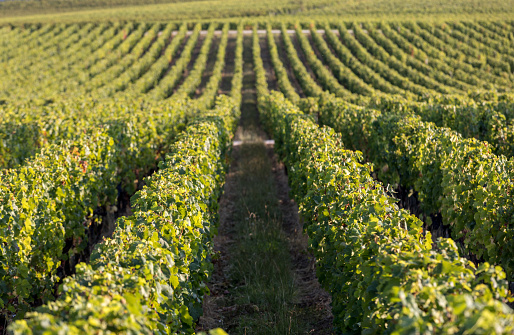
column 264, row 284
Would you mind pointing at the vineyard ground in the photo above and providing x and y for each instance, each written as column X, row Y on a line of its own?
column 264, row 280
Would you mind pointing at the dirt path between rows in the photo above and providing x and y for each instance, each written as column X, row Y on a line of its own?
column 264, row 280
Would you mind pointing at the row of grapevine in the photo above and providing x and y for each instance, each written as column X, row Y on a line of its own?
column 126, row 44
column 165, row 87
column 350, row 58
column 489, row 121
column 280, row 71
column 211, row 87
column 141, row 64
column 237, row 77
column 102, row 45
column 46, row 47
column 453, row 52
column 341, row 72
column 418, row 47
column 127, row 53
column 462, row 179
column 26, row 130
column 17, row 37
column 501, row 30
column 150, row 273
column 147, row 81
column 392, row 63
column 355, row 228
column 324, row 76
column 71, row 157
column 487, row 43
column 109, row 59
column 258, row 66
column 309, row 86
column 431, row 74
column 427, row 75
column 47, row 199
column 63, row 157
column 472, row 53
column 391, row 75
column 194, row 76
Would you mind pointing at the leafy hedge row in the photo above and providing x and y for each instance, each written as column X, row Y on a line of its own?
column 498, row 31
column 25, row 39
column 309, row 85
column 77, row 64
column 340, row 71
column 414, row 63
column 86, row 42
column 65, row 47
column 237, row 77
column 498, row 62
column 280, row 71
column 25, row 129
column 164, row 88
column 433, row 56
column 366, row 58
column 356, row 63
column 112, row 57
column 429, row 85
column 210, row 91
column 438, row 39
column 109, row 43
column 487, row 121
column 47, row 200
column 460, row 178
column 43, row 203
column 152, row 76
column 105, row 83
column 324, row 76
column 74, row 68
column 258, row 67
column 39, row 59
column 44, row 47
column 149, row 278
column 194, row 77
column 383, row 274
column 140, row 62
column 468, row 55
column 486, row 41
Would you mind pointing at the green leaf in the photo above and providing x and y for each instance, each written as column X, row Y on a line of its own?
column 133, row 303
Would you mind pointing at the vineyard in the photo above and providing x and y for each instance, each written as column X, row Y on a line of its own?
column 122, row 155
